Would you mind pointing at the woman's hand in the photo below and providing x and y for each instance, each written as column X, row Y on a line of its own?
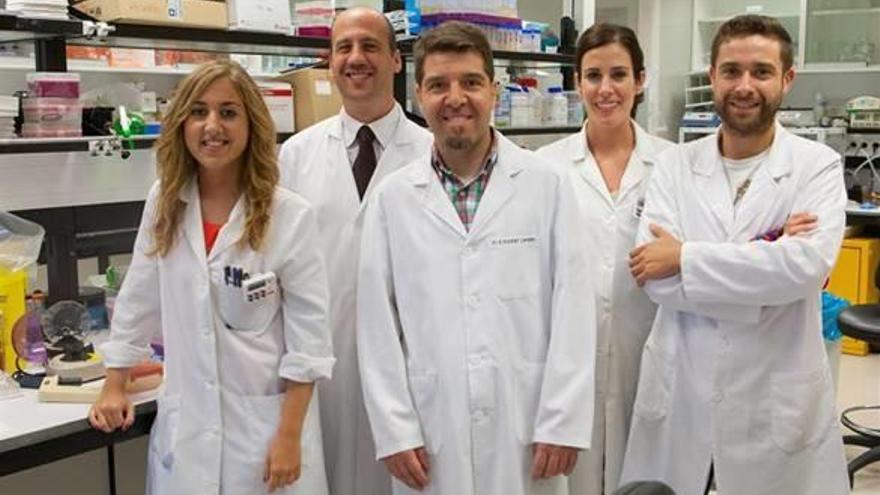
column 283, row 462
column 113, row 409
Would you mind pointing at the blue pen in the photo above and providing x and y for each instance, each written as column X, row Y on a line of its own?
column 227, row 273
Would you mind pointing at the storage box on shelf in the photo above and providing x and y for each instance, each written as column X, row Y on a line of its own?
column 315, row 96
column 279, row 98
column 8, row 112
column 272, row 16
column 52, row 108
column 195, row 13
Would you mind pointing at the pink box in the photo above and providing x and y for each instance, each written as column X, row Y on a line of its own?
column 53, row 84
column 52, row 111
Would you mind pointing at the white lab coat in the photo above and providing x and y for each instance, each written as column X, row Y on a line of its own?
column 315, row 164
column 476, row 344
column 624, row 312
column 224, row 388
column 735, row 371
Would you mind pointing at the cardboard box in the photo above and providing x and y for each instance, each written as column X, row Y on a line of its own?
column 279, row 98
column 272, row 16
column 315, row 96
column 132, row 57
column 194, row 13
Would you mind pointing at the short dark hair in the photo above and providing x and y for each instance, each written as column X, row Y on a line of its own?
column 392, row 39
column 456, row 37
column 749, row 25
column 603, row 34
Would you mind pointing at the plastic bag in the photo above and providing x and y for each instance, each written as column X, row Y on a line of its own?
column 831, row 308
column 20, row 241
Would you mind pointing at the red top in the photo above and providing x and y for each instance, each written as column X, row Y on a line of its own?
column 211, row 230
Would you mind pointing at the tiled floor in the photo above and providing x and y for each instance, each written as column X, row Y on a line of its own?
column 859, row 384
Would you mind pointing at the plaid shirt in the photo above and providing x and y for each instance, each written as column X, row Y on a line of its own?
column 465, row 197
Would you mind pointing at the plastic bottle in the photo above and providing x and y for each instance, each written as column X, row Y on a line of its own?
column 413, row 16
column 502, row 109
column 558, row 114
column 536, row 102
column 519, row 107
column 575, row 108
column 819, row 108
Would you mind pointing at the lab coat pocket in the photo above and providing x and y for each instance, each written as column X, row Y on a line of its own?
column 424, row 390
column 239, row 315
column 163, row 436
column 655, row 385
column 803, row 409
column 529, row 378
column 517, row 268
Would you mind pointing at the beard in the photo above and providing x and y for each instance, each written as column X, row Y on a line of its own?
column 460, row 143
column 750, row 126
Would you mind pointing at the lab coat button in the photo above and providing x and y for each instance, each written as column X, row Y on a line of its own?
column 469, row 252
column 717, row 397
column 475, row 360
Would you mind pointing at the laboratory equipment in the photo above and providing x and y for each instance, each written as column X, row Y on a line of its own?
column 864, row 112
column 142, row 377
column 65, row 325
column 700, row 119
column 797, row 117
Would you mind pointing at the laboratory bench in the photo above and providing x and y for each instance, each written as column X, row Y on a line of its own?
column 34, row 433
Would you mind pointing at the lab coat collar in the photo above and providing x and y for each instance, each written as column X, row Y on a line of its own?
column 641, row 161
column 637, row 168
column 193, row 231
column 499, row 190
column 778, row 162
column 712, row 182
column 192, row 220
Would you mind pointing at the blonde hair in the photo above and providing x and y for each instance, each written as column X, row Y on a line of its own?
column 176, row 165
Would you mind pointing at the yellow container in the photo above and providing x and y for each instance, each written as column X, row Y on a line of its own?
column 853, row 280
column 13, row 287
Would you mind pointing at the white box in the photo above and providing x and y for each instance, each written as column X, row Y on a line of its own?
column 279, row 99
column 264, row 15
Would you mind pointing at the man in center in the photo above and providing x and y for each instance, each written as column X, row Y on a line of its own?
column 476, row 325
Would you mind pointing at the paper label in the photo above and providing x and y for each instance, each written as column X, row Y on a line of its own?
column 175, row 9
column 322, row 88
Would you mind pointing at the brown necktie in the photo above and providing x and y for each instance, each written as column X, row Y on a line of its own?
column 365, row 163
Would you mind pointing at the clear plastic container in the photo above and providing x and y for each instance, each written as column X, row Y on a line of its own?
column 520, row 113
column 60, row 111
column 502, row 109
column 50, row 130
column 556, row 111
column 536, row 101
column 53, row 84
column 575, row 108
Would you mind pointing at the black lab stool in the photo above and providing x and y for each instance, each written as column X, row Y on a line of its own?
column 861, row 322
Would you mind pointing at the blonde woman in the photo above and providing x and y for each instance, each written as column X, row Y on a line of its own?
column 225, row 265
